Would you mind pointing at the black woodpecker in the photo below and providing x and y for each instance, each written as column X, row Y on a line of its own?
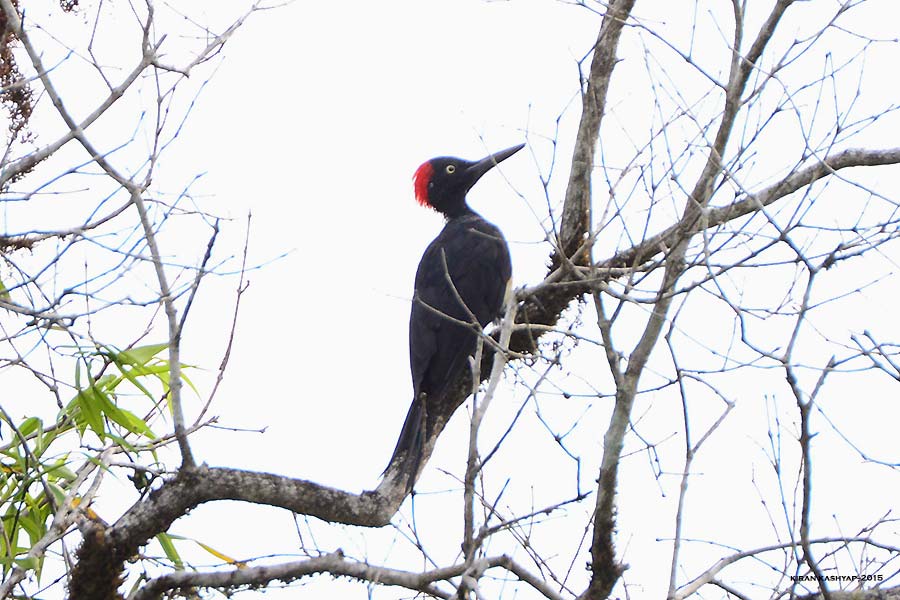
column 462, row 279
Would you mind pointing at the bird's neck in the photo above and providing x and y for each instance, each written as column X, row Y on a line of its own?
column 456, row 210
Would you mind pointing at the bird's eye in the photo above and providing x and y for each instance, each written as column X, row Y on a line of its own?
column 451, row 169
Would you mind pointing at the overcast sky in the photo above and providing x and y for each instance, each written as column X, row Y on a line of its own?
column 314, row 120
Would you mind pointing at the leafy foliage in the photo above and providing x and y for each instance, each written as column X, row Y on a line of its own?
column 35, row 474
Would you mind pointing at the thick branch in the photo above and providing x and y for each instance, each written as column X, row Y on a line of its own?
column 576, row 218
column 109, row 549
column 336, row 565
column 333, row 563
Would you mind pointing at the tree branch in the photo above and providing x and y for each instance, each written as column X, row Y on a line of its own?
column 334, row 564
column 715, row 216
column 576, row 218
column 108, row 549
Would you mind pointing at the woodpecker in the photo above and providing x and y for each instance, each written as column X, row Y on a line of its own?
column 460, row 286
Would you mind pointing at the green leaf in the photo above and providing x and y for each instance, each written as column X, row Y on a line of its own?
column 58, row 471
column 121, row 442
column 165, row 540
column 31, row 520
column 59, row 494
column 187, row 380
column 106, row 383
column 89, row 402
column 133, row 374
column 30, row 563
column 43, row 442
column 140, row 355
column 125, row 418
column 29, row 426
column 7, row 561
column 135, row 424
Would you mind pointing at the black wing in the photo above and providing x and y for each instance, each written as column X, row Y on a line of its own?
column 474, row 254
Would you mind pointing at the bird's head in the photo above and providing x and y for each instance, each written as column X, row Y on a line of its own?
column 442, row 183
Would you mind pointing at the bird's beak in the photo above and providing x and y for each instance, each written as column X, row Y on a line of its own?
column 479, row 168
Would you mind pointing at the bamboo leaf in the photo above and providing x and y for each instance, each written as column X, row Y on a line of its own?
column 168, row 546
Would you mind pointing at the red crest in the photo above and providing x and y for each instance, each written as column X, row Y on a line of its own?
column 421, row 179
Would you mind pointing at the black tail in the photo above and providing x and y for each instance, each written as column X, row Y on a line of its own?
column 410, row 443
